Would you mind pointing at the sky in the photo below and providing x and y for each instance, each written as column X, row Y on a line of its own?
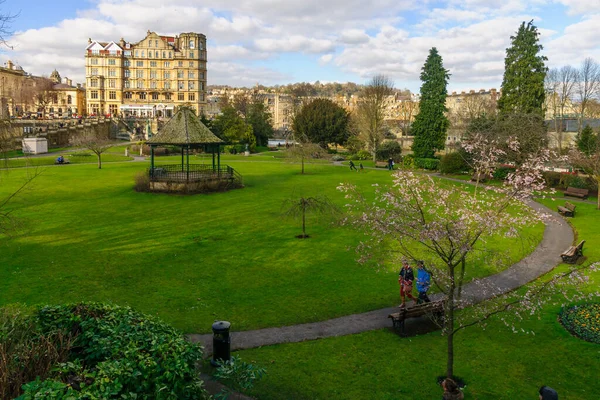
column 285, row 41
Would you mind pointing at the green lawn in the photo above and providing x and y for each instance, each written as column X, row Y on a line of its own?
column 193, row 259
column 495, row 362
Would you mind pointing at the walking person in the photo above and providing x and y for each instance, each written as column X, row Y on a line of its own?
column 405, row 279
column 360, row 167
column 390, row 163
column 423, row 282
column 352, row 166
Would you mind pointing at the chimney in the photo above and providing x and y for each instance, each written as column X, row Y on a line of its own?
column 89, row 40
column 9, row 64
column 481, row 90
column 472, row 92
column 493, row 90
column 453, row 93
column 463, row 92
column 122, row 43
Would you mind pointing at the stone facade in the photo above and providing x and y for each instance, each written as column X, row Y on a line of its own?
column 148, row 78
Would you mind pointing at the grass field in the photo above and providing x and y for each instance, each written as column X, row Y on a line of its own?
column 495, row 362
column 87, row 235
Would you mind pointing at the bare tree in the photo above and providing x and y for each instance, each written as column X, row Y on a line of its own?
column 299, row 207
column 302, row 149
column 94, row 140
column 5, row 23
column 587, row 85
column 589, row 163
column 560, row 87
column 371, row 111
column 43, row 94
column 406, row 112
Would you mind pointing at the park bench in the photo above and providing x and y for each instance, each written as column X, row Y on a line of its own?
column 381, row 164
column 434, row 309
column 572, row 254
column 568, row 210
column 576, row 192
column 481, row 177
column 62, row 163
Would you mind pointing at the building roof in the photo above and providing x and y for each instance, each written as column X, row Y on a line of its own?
column 184, row 128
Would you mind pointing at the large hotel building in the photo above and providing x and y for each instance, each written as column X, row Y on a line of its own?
column 148, row 78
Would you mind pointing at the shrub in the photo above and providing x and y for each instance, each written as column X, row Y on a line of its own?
column 552, row 178
column 238, row 375
column 361, row 155
column 234, row 148
column 389, row 149
column 337, row 157
column 582, row 321
column 119, row 353
column 28, row 352
column 502, row 172
column 408, row 161
column 142, row 182
column 453, row 163
column 354, row 144
column 427, row 163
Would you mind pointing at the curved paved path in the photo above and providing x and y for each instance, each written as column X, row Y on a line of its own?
column 558, row 235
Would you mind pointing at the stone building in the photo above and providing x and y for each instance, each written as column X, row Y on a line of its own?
column 148, row 78
column 12, row 78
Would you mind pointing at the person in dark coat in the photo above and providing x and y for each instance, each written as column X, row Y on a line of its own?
column 352, row 166
column 405, row 279
column 547, row 393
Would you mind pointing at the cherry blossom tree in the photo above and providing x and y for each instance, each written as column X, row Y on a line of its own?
column 448, row 226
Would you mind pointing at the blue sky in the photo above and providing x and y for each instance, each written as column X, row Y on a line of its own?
column 283, row 41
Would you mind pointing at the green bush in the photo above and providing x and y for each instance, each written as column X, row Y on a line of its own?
column 583, row 321
column 453, row 163
column 572, row 180
column 408, row 161
column 552, row 178
column 118, row 353
column 337, row 157
column 238, row 376
column 427, row 163
column 501, row 173
column 361, row 155
column 389, row 149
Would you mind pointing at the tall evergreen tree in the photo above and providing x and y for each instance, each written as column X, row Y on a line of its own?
column 587, row 141
column 524, row 74
column 431, row 124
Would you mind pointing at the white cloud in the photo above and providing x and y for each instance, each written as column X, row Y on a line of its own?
column 325, row 59
column 295, row 43
column 581, row 7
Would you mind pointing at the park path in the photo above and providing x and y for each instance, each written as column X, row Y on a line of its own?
column 558, row 236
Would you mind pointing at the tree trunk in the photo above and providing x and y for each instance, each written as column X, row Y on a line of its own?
column 302, row 165
column 449, row 326
column 304, row 221
column 99, row 161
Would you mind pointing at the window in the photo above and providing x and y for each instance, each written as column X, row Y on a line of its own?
column 153, row 85
column 191, row 85
column 180, row 96
column 201, row 85
column 191, row 54
column 149, row 54
column 136, row 53
column 152, row 63
column 126, row 63
column 156, row 43
column 202, row 97
column 167, row 85
column 164, row 54
column 94, row 94
column 94, row 71
column 191, row 64
column 167, row 64
column 191, row 43
column 112, row 61
column 180, row 85
column 167, row 75
column 154, row 96
column 143, row 54
column 139, row 74
column 200, row 46
column 94, row 82
column 128, row 95
column 140, row 84
column 69, row 99
column 156, row 54
column 191, row 75
column 101, row 95
column 192, row 97
column 112, row 83
column 169, row 54
column 139, row 63
column 127, row 53
column 167, row 96
column 126, row 84
column 127, row 73
column 180, row 64
column 180, row 74
column 112, row 72
column 201, row 75
column 112, row 95
column 142, row 95
column 93, row 61
column 152, row 74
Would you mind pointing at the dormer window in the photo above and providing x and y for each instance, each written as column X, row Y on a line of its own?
column 191, row 43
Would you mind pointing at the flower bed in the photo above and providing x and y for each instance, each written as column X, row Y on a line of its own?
column 583, row 321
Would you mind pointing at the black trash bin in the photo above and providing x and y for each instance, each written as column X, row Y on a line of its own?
column 221, row 342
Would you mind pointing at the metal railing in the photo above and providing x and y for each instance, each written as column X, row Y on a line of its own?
column 192, row 173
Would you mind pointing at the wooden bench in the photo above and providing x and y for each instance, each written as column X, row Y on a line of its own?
column 381, row 164
column 568, row 210
column 434, row 309
column 572, row 254
column 481, row 177
column 576, row 192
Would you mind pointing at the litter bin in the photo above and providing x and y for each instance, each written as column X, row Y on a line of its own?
column 221, row 342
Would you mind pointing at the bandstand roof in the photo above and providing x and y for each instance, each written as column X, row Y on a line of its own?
column 185, row 128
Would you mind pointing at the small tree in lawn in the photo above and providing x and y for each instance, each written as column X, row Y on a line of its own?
column 302, row 149
column 299, row 207
column 95, row 141
column 447, row 226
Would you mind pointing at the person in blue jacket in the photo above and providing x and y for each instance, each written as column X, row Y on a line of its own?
column 423, row 283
